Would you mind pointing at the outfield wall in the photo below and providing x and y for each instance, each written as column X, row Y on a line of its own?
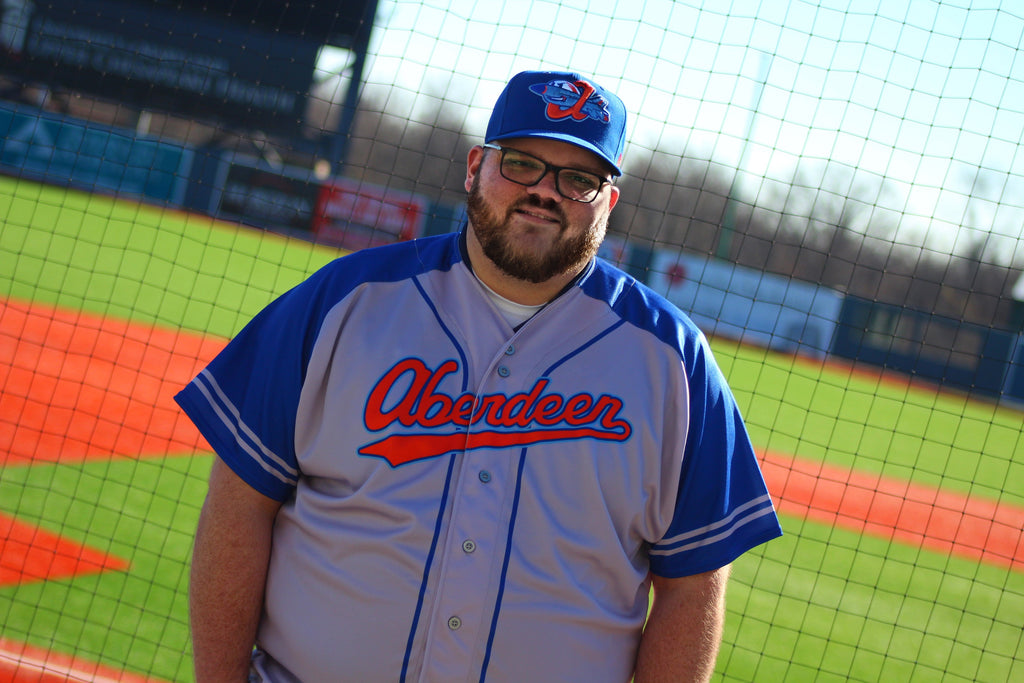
column 66, row 151
column 748, row 305
column 957, row 354
column 754, row 307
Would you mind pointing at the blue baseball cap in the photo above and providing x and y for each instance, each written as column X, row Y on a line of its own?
column 561, row 106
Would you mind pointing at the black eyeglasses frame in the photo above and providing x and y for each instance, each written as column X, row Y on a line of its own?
column 547, row 169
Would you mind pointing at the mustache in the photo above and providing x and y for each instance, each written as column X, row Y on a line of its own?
column 549, row 205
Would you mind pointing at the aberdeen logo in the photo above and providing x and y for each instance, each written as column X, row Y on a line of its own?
column 435, row 423
column 578, row 100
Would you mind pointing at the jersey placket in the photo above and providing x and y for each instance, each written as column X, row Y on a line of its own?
column 476, row 540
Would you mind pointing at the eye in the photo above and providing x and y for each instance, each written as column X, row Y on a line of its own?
column 581, row 180
column 522, row 163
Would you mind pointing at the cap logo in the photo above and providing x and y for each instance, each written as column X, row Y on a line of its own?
column 577, row 99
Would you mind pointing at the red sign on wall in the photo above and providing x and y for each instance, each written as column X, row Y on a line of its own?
column 356, row 215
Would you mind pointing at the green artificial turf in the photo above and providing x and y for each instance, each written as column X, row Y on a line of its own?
column 820, row 604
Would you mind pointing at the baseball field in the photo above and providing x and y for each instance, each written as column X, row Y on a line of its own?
column 903, row 505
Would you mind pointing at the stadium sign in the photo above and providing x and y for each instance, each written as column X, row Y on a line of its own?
column 281, row 200
column 161, row 57
column 330, row 22
column 356, row 215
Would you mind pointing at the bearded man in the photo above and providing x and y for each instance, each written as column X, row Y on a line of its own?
column 470, row 457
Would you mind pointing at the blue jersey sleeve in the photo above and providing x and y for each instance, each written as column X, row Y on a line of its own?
column 723, row 508
column 244, row 402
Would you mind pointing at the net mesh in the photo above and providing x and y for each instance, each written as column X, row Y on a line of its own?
column 832, row 190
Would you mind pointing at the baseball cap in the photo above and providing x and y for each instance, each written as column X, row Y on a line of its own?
column 561, row 106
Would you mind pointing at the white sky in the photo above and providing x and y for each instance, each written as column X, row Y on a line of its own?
column 919, row 94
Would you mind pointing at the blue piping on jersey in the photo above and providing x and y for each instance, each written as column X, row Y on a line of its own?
column 700, row 537
column 426, row 569
column 515, row 508
column 444, row 496
column 642, row 307
column 647, row 310
column 245, row 437
column 579, row 349
column 504, row 566
column 448, row 332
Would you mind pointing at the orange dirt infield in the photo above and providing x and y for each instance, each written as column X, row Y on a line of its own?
column 28, row 553
column 20, row 663
column 75, row 386
column 921, row 516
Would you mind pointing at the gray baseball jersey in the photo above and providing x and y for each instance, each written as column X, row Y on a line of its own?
column 465, row 501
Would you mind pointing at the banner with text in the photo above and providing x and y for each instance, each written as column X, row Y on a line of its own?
column 356, row 215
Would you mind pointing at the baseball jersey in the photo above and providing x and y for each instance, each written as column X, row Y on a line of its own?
column 465, row 500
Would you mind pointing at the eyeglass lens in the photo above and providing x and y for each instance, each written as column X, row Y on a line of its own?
column 571, row 183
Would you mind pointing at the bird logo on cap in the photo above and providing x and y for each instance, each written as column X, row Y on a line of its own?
column 578, row 100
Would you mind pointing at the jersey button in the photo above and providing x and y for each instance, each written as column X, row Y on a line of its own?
column 454, row 623
column 484, row 476
column 504, row 371
column 468, row 545
column 510, row 349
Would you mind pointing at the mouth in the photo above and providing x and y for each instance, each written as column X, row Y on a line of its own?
column 543, row 218
column 539, row 215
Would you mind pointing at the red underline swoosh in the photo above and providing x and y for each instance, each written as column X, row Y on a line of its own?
column 399, row 449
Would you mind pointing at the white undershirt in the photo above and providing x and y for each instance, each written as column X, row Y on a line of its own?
column 515, row 314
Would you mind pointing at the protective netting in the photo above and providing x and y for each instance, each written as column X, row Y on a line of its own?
column 833, row 190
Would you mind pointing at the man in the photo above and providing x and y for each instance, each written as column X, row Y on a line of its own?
column 469, row 457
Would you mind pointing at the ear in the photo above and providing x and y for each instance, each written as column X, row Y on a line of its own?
column 473, row 161
column 613, row 198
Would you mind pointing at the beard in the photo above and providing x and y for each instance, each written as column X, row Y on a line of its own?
column 569, row 253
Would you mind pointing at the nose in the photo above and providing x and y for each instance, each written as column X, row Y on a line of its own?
column 547, row 186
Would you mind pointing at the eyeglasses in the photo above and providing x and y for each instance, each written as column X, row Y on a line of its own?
column 526, row 169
